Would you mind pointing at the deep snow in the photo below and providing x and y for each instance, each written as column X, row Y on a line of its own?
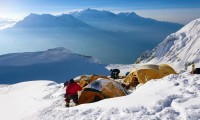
column 173, row 97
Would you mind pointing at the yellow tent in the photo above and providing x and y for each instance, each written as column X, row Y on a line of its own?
column 84, row 80
column 87, row 79
column 144, row 73
column 101, row 89
column 95, row 77
column 165, row 70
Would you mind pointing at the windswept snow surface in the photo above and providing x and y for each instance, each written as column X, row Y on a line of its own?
column 175, row 97
column 180, row 48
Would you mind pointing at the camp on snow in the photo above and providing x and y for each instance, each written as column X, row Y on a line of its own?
column 143, row 73
column 84, row 80
column 97, row 87
column 101, row 89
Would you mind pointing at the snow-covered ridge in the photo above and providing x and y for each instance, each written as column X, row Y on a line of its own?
column 58, row 64
column 29, row 58
column 180, row 48
column 175, row 97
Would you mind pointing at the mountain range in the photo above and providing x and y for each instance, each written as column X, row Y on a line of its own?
column 174, row 97
column 110, row 37
column 124, row 21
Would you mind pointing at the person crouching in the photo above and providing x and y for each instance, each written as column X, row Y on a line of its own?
column 72, row 89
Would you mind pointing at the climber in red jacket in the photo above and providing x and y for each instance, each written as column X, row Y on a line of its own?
column 72, row 89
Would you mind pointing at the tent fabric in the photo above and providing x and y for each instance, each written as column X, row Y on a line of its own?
column 145, row 73
column 101, row 89
column 86, row 79
column 95, row 77
column 89, row 95
column 165, row 70
column 111, row 90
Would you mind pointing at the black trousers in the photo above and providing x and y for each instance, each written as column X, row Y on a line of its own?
column 72, row 97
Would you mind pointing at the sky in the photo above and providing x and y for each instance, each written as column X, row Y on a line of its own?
column 181, row 11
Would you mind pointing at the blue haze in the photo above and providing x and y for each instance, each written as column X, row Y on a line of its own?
column 112, row 38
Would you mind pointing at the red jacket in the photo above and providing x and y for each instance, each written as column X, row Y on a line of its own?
column 72, row 89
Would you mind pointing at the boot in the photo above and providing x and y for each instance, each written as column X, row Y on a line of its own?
column 76, row 104
column 67, row 105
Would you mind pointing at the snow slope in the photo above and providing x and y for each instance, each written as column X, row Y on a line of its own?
column 178, row 49
column 58, row 64
column 175, row 97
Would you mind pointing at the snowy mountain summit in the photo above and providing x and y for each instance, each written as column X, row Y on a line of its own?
column 178, row 49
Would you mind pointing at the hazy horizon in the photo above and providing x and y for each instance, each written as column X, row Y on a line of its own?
column 178, row 11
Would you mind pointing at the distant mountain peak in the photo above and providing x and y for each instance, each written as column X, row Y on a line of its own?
column 59, row 50
column 48, row 20
column 37, row 15
column 132, row 14
column 128, row 14
column 33, row 14
column 92, row 12
column 89, row 9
